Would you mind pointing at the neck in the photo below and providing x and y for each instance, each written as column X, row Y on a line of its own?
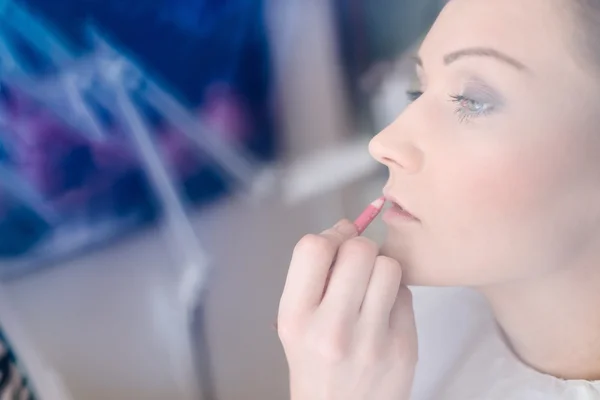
column 553, row 322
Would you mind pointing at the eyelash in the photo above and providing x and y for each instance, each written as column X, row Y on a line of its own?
column 463, row 105
column 413, row 95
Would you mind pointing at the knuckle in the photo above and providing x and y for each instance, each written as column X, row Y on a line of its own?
column 372, row 353
column 332, row 345
column 403, row 350
column 312, row 243
column 332, row 349
column 289, row 329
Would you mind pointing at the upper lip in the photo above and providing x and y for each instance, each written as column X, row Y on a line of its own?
column 395, row 200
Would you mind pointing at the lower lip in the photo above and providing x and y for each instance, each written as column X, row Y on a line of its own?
column 396, row 213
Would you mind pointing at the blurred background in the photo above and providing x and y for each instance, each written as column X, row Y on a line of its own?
column 158, row 162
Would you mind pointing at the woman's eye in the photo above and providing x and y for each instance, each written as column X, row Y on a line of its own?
column 413, row 95
column 468, row 108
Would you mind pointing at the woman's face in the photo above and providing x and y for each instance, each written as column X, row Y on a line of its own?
column 499, row 158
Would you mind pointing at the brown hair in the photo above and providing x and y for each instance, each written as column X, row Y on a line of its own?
column 587, row 24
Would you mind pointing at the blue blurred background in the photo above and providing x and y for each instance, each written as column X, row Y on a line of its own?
column 212, row 56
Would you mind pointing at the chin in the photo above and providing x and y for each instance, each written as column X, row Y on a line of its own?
column 414, row 272
column 435, row 272
column 414, row 278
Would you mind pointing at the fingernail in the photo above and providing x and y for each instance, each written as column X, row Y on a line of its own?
column 345, row 227
column 340, row 224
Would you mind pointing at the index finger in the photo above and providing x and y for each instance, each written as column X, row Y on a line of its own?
column 312, row 259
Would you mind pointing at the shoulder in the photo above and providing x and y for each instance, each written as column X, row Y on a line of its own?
column 448, row 320
column 462, row 356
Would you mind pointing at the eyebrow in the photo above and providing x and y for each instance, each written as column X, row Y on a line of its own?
column 480, row 52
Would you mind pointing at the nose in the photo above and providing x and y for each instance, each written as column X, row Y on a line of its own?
column 396, row 150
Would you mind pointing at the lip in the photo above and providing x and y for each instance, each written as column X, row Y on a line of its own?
column 398, row 211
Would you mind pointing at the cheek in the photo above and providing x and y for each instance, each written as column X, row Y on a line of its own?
column 519, row 163
column 492, row 222
column 497, row 187
column 533, row 175
column 476, row 207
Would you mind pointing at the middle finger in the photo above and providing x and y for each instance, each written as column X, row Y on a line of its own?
column 350, row 277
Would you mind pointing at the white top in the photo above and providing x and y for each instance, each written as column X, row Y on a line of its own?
column 463, row 357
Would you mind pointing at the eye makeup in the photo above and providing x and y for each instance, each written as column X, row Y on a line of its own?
column 475, row 99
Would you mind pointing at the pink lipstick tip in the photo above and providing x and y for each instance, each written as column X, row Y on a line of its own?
column 369, row 214
column 379, row 203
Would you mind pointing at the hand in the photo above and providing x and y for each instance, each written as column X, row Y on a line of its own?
column 345, row 322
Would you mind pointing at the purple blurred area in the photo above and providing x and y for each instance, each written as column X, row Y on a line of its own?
column 96, row 190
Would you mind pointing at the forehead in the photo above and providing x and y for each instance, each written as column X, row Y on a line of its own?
column 537, row 32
